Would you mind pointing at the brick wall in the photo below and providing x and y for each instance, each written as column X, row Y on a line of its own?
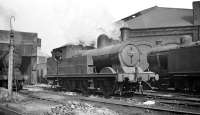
column 165, row 34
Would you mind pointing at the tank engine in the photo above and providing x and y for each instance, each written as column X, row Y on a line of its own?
column 178, row 66
column 110, row 69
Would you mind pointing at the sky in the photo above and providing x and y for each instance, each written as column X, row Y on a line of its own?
column 59, row 22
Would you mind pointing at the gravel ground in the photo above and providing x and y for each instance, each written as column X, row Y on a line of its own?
column 121, row 110
column 73, row 105
column 32, row 106
column 80, row 108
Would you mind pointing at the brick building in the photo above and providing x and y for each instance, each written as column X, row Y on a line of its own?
column 159, row 25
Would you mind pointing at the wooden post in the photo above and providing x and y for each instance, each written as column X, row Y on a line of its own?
column 10, row 64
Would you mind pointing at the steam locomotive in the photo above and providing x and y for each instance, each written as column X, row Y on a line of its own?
column 17, row 74
column 110, row 69
column 178, row 66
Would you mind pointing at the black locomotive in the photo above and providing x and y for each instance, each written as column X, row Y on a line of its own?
column 110, row 69
column 18, row 79
column 178, row 66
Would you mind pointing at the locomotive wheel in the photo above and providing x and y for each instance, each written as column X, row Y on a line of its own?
column 107, row 88
column 118, row 89
column 107, row 85
column 67, row 85
column 196, row 85
column 179, row 84
column 104, row 89
column 84, row 87
column 146, row 86
column 69, row 82
column 73, row 85
column 163, row 84
column 78, row 85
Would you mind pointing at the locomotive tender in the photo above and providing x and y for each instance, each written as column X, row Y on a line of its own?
column 178, row 66
column 110, row 69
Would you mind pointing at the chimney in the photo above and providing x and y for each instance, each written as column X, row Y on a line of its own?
column 102, row 41
column 196, row 12
column 124, row 34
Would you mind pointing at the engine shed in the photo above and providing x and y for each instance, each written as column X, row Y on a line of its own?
column 162, row 25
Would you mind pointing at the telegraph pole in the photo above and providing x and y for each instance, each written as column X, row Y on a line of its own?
column 10, row 64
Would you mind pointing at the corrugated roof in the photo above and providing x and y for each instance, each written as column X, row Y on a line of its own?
column 160, row 17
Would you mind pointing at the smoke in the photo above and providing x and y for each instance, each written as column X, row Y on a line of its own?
column 67, row 21
column 86, row 22
column 58, row 22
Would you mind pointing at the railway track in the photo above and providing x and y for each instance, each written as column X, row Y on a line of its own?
column 144, row 107
column 172, row 96
column 8, row 111
column 34, row 97
column 174, row 99
column 122, row 103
